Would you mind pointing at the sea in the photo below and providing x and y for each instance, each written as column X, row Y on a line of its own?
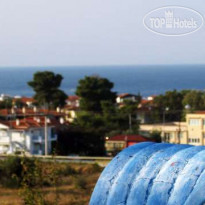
column 145, row 79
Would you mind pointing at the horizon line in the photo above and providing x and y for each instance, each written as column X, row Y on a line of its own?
column 107, row 65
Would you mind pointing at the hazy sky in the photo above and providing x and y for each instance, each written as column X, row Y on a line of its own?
column 92, row 32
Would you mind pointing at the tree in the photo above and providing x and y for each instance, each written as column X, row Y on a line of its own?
column 171, row 100
column 156, row 136
column 93, row 90
column 6, row 104
column 195, row 99
column 46, row 86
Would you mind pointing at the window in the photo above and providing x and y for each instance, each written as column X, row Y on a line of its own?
column 194, row 122
column 194, row 140
column 180, row 135
column 3, row 133
column 167, row 136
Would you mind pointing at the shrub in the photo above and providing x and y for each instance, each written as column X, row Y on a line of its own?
column 68, row 171
column 80, row 182
column 10, row 172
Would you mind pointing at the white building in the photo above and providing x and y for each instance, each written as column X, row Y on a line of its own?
column 5, row 97
column 26, row 135
column 121, row 98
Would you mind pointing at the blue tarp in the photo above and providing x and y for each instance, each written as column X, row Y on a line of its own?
column 153, row 173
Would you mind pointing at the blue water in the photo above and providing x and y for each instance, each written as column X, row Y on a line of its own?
column 147, row 80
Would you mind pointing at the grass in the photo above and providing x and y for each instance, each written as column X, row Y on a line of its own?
column 76, row 185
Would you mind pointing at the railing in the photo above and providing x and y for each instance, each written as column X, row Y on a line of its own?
column 102, row 161
column 54, row 137
column 40, row 139
column 37, row 139
column 4, row 139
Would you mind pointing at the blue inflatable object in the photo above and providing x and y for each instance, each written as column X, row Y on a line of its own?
column 153, row 173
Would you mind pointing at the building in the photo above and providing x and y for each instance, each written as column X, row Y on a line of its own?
column 190, row 132
column 121, row 98
column 173, row 132
column 196, row 128
column 73, row 101
column 117, row 143
column 144, row 111
column 13, row 113
column 5, row 97
column 70, row 113
column 27, row 135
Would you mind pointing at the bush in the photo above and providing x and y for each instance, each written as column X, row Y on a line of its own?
column 10, row 172
column 68, row 171
column 80, row 182
column 90, row 169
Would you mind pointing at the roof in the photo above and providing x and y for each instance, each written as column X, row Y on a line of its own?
column 30, row 122
column 73, row 98
column 24, row 99
column 29, row 111
column 123, row 95
column 145, row 101
column 202, row 112
column 71, row 107
column 135, row 138
column 27, row 99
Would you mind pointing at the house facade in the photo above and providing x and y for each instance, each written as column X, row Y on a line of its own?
column 174, row 132
column 117, row 143
column 26, row 135
column 190, row 132
column 121, row 98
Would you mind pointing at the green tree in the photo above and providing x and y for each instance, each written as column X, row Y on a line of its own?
column 46, row 86
column 195, row 99
column 19, row 104
column 171, row 100
column 6, row 104
column 93, row 90
column 156, row 136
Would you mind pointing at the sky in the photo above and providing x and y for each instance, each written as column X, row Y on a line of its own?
column 92, row 32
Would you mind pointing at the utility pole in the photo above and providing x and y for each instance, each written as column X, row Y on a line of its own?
column 46, row 136
column 130, row 122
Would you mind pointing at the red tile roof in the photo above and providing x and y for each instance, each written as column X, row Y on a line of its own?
column 125, row 95
column 144, row 101
column 71, row 107
column 30, row 122
column 27, row 99
column 199, row 112
column 73, row 98
column 29, row 111
column 24, row 100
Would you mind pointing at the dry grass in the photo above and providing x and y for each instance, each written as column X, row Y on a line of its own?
column 74, row 189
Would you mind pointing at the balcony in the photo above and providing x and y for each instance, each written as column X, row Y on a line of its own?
column 38, row 139
column 53, row 137
column 4, row 140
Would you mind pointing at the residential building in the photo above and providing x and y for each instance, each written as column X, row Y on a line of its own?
column 196, row 128
column 121, row 98
column 143, row 115
column 70, row 113
column 27, row 135
column 173, row 132
column 6, row 114
column 73, row 101
column 117, row 143
column 5, row 97
column 190, row 132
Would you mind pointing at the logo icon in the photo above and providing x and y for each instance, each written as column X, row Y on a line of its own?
column 173, row 21
column 169, row 16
